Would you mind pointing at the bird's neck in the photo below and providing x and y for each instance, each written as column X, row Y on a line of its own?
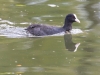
column 67, row 25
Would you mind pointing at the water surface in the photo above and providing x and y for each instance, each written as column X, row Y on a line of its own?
column 76, row 54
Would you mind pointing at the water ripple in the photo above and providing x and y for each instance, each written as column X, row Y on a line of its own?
column 33, row 2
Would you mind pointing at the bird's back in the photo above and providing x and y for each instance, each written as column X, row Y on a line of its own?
column 42, row 30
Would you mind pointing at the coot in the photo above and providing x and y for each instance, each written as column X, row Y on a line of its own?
column 43, row 30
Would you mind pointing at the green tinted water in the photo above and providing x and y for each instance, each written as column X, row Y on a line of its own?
column 49, row 55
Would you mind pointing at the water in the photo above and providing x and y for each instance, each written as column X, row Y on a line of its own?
column 76, row 54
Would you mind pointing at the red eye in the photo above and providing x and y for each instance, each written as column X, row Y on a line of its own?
column 73, row 17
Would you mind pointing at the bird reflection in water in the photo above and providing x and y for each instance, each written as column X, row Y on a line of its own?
column 70, row 45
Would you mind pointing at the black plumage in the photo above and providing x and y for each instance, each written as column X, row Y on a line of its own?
column 43, row 30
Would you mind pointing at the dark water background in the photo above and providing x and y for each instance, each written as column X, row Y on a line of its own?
column 76, row 54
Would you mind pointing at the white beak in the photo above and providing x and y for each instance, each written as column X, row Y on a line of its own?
column 77, row 20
